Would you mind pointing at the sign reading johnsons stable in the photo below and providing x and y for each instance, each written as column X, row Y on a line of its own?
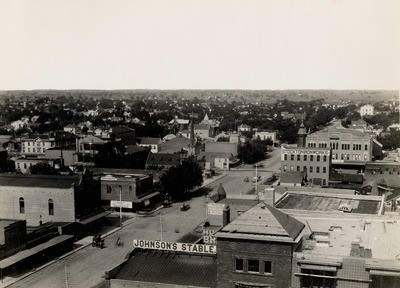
column 175, row 246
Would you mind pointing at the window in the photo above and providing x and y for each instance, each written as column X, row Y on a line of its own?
column 253, row 266
column 239, row 264
column 317, row 169
column 21, row 205
column 109, row 189
column 291, row 167
column 311, row 169
column 324, row 169
column 324, row 158
column 267, row 267
column 298, row 157
column 317, row 278
column 284, row 168
column 311, row 157
column 51, row 207
column 298, row 168
column 292, row 157
column 305, row 157
column 366, row 147
column 285, row 156
column 318, row 158
column 130, row 189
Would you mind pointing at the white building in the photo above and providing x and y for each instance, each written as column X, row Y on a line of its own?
column 367, row 109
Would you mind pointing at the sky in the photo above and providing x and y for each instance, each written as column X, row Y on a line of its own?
column 199, row 44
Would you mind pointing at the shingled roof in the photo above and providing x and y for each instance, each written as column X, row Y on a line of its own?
column 265, row 223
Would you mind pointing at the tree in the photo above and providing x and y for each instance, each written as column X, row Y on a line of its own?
column 253, row 151
column 391, row 141
column 179, row 180
column 42, row 168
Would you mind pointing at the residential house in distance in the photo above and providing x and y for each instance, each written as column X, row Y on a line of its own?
column 35, row 145
column 367, row 109
column 176, row 125
column 220, row 155
column 264, row 135
column 120, row 133
column 73, row 129
column 152, row 143
column 213, row 122
column 86, row 148
column 244, row 128
column 164, row 160
column 203, row 131
column 23, row 164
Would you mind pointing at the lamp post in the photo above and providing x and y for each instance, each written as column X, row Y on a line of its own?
column 120, row 206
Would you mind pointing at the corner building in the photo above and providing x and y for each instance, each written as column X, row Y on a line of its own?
column 314, row 162
column 256, row 249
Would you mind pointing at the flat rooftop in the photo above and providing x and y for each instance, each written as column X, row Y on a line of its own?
column 184, row 269
column 366, row 238
column 327, row 202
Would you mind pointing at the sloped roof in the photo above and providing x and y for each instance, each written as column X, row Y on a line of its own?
column 202, row 126
column 292, row 177
column 265, row 223
column 150, row 141
column 163, row 159
column 181, row 269
column 45, row 181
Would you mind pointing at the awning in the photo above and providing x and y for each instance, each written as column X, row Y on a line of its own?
column 318, row 267
column 384, row 273
column 142, row 199
column 93, row 218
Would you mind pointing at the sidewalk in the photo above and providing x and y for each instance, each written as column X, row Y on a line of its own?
column 80, row 244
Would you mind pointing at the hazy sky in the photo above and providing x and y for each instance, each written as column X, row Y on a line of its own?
column 184, row 44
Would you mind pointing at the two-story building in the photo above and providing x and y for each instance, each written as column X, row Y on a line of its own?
column 127, row 191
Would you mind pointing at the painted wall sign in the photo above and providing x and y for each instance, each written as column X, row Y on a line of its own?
column 175, row 246
column 117, row 204
column 215, row 208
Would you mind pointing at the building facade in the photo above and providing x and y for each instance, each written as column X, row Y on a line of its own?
column 128, row 191
column 39, row 199
column 367, row 109
column 346, row 144
column 314, row 162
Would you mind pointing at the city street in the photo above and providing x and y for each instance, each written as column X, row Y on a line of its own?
column 86, row 267
column 234, row 182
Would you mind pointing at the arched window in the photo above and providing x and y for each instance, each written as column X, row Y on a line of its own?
column 51, row 207
column 130, row 189
column 21, row 205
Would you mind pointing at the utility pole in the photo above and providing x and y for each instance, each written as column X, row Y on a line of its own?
column 256, row 179
column 161, row 227
column 66, row 277
column 120, row 206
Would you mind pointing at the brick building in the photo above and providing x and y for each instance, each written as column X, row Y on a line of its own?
column 315, row 163
column 134, row 190
column 256, row 249
column 46, row 198
column 348, row 145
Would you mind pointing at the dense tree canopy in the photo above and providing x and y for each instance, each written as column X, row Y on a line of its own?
column 42, row 168
column 179, row 180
